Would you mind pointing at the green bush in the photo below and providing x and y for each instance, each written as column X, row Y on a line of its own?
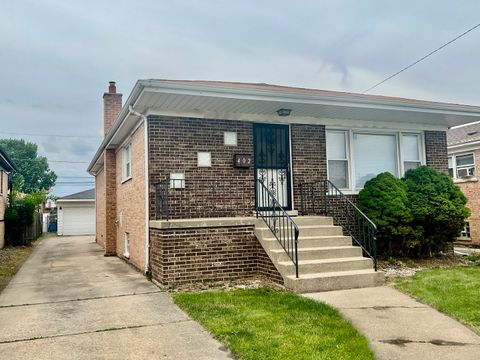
column 417, row 215
column 438, row 208
column 19, row 215
column 384, row 199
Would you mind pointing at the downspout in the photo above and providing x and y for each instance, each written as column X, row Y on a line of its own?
column 147, row 187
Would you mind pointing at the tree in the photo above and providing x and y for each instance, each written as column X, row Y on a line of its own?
column 384, row 200
column 33, row 172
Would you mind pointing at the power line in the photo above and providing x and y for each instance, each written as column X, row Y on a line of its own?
column 421, row 59
column 75, row 177
column 55, row 161
column 51, row 135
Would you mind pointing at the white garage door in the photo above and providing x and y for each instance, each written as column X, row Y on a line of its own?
column 79, row 220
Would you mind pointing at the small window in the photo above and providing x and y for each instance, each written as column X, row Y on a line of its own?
column 177, row 181
column 230, row 138
column 126, row 251
column 337, row 158
column 450, row 166
column 411, row 151
column 465, row 234
column 461, row 166
column 127, row 162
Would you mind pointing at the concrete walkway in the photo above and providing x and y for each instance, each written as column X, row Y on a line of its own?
column 70, row 302
column 399, row 327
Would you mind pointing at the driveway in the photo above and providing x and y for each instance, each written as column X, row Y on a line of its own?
column 68, row 301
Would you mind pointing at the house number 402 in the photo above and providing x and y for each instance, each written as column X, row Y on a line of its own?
column 242, row 161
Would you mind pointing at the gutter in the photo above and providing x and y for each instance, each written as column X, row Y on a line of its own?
column 147, row 186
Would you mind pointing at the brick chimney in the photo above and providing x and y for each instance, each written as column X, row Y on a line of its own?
column 112, row 104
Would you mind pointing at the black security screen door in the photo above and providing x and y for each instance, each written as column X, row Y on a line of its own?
column 272, row 162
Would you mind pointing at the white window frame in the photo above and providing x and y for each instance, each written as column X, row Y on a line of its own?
column 456, row 168
column 400, row 149
column 347, row 154
column 465, row 234
column 353, row 189
column 127, row 162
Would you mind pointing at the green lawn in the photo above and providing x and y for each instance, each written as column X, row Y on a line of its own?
column 269, row 324
column 454, row 291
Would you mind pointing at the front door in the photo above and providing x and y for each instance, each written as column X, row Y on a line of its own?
column 272, row 161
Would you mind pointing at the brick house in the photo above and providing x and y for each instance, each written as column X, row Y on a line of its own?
column 200, row 180
column 6, row 168
column 463, row 155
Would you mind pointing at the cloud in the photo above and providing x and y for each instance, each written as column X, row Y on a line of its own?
column 62, row 54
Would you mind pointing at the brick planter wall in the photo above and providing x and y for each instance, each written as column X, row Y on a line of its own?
column 180, row 256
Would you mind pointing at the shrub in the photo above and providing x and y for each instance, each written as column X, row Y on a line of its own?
column 417, row 215
column 19, row 215
column 438, row 208
column 384, row 200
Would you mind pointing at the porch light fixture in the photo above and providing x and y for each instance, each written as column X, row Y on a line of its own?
column 284, row 112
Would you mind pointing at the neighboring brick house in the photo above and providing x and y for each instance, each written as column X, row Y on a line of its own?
column 463, row 155
column 180, row 172
column 6, row 168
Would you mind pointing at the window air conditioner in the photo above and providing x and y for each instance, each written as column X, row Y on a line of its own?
column 465, row 173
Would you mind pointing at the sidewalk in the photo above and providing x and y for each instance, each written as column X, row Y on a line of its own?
column 399, row 327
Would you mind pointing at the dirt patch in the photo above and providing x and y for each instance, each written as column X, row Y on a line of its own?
column 248, row 283
column 406, row 267
column 11, row 259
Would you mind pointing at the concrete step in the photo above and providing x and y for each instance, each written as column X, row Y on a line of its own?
column 312, row 220
column 315, row 282
column 305, row 231
column 325, row 265
column 319, row 230
column 319, row 253
column 313, row 241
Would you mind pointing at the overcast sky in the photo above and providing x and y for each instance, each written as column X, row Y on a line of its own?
column 57, row 56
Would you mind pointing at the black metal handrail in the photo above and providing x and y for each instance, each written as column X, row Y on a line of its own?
column 161, row 199
column 322, row 196
column 278, row 221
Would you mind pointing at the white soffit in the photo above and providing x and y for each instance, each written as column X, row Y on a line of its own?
column 157, row 102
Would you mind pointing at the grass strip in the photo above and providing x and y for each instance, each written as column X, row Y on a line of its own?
column 270, row 324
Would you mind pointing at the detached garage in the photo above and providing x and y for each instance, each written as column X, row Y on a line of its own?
column 76, row 214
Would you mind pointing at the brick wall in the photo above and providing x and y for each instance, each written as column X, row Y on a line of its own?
column 130, row 206
column 110, row 170
column 436, row 150
column 221, row 190
column 471, row 189
column 309, row 156
column 100, row 226
column 190, row 255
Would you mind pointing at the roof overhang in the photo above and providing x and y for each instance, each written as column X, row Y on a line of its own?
column 259, row 103
column 5, row 162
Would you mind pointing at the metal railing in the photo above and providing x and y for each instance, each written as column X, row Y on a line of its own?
column 161, row 199
column 201, row 198
column 278, row 221
column 323, row 197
